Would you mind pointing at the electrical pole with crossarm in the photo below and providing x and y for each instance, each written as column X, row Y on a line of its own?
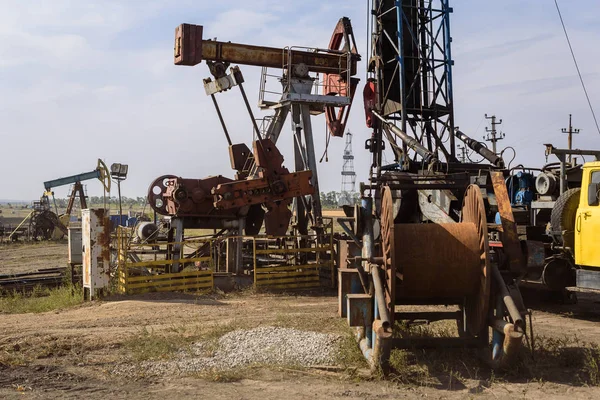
column 570, row 130
column 493, row 135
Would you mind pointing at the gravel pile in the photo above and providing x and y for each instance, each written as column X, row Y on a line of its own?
column 264, row 345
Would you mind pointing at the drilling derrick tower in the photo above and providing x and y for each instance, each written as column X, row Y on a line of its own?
column 422, row 225
column 348, row 174
column 410, row 80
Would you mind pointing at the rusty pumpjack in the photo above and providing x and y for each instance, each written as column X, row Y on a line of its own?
column 261, row 182
column 422, row 235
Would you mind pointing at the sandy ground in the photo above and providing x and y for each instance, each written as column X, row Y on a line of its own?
column 73, row 353
column 333, row 213
column 24, row 257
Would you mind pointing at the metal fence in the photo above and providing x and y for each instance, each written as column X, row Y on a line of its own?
column 277, row 262
column 142, row 268
column 295, row 261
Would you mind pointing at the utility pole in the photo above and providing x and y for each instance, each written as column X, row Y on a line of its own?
column 463, row 153
column 570, row 130
column 493, row 135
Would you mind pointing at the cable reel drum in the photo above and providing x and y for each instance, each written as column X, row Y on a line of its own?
column 439, row 263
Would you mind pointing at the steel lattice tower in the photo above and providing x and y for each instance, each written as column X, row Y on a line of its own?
column 412, row 69
column 348, row 174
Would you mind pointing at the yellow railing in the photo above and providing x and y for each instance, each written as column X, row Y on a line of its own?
column 279, row 262
column 297, row 272
column 154, row 275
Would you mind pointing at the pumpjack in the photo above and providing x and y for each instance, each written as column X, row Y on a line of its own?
column 47, row 224
column 313, row 81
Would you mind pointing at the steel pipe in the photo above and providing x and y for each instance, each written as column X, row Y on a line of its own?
column 382, row 346
column 511, row 307
column 412, row 143
column 380, row 299
column 480, row 149
column 511, row 344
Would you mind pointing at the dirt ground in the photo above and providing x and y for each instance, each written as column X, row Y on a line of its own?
column 75, row 352
column 25, row 257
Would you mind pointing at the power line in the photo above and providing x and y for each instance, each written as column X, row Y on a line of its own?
column 576, row 65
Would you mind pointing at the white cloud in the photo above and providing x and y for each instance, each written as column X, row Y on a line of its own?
column 52, row 51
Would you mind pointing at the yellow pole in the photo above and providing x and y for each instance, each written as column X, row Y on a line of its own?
column 22, row 222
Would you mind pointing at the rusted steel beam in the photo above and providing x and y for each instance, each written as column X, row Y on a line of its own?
column 256, row 191
column 191, row 49
column 510, row 237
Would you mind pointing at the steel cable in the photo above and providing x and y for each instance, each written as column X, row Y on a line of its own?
column 576, row 65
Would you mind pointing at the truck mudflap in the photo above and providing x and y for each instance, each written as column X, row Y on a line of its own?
column 587, row 279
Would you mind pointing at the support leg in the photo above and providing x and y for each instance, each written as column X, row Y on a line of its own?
column 299, row 205
column 177, row 224
column 311, row 160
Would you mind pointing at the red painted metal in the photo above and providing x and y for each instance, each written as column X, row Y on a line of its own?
column 216, row 198
column 370, row 101
column 341, row 84
column 188, row 44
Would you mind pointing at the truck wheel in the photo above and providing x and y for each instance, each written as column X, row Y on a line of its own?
column 562, row 219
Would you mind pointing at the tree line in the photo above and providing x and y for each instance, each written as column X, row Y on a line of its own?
column 331, row 199
column 335, row 199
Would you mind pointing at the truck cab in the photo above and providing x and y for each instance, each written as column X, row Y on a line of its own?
column 587, row 228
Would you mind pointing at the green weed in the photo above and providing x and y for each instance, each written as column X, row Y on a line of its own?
column 41, row 300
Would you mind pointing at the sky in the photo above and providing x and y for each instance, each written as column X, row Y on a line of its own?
column 88, row 79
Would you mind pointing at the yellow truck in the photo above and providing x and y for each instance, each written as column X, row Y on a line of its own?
column 575, row 221
column 587, row 228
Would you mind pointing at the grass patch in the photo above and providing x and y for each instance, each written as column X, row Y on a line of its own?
column 439, row 329
column 149, row 344
column 19, row 351
column 41, row 300
column 440, row 368
column 566, row 360
column 348, row 353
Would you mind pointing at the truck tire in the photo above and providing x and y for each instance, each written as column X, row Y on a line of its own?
column 562, row 219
